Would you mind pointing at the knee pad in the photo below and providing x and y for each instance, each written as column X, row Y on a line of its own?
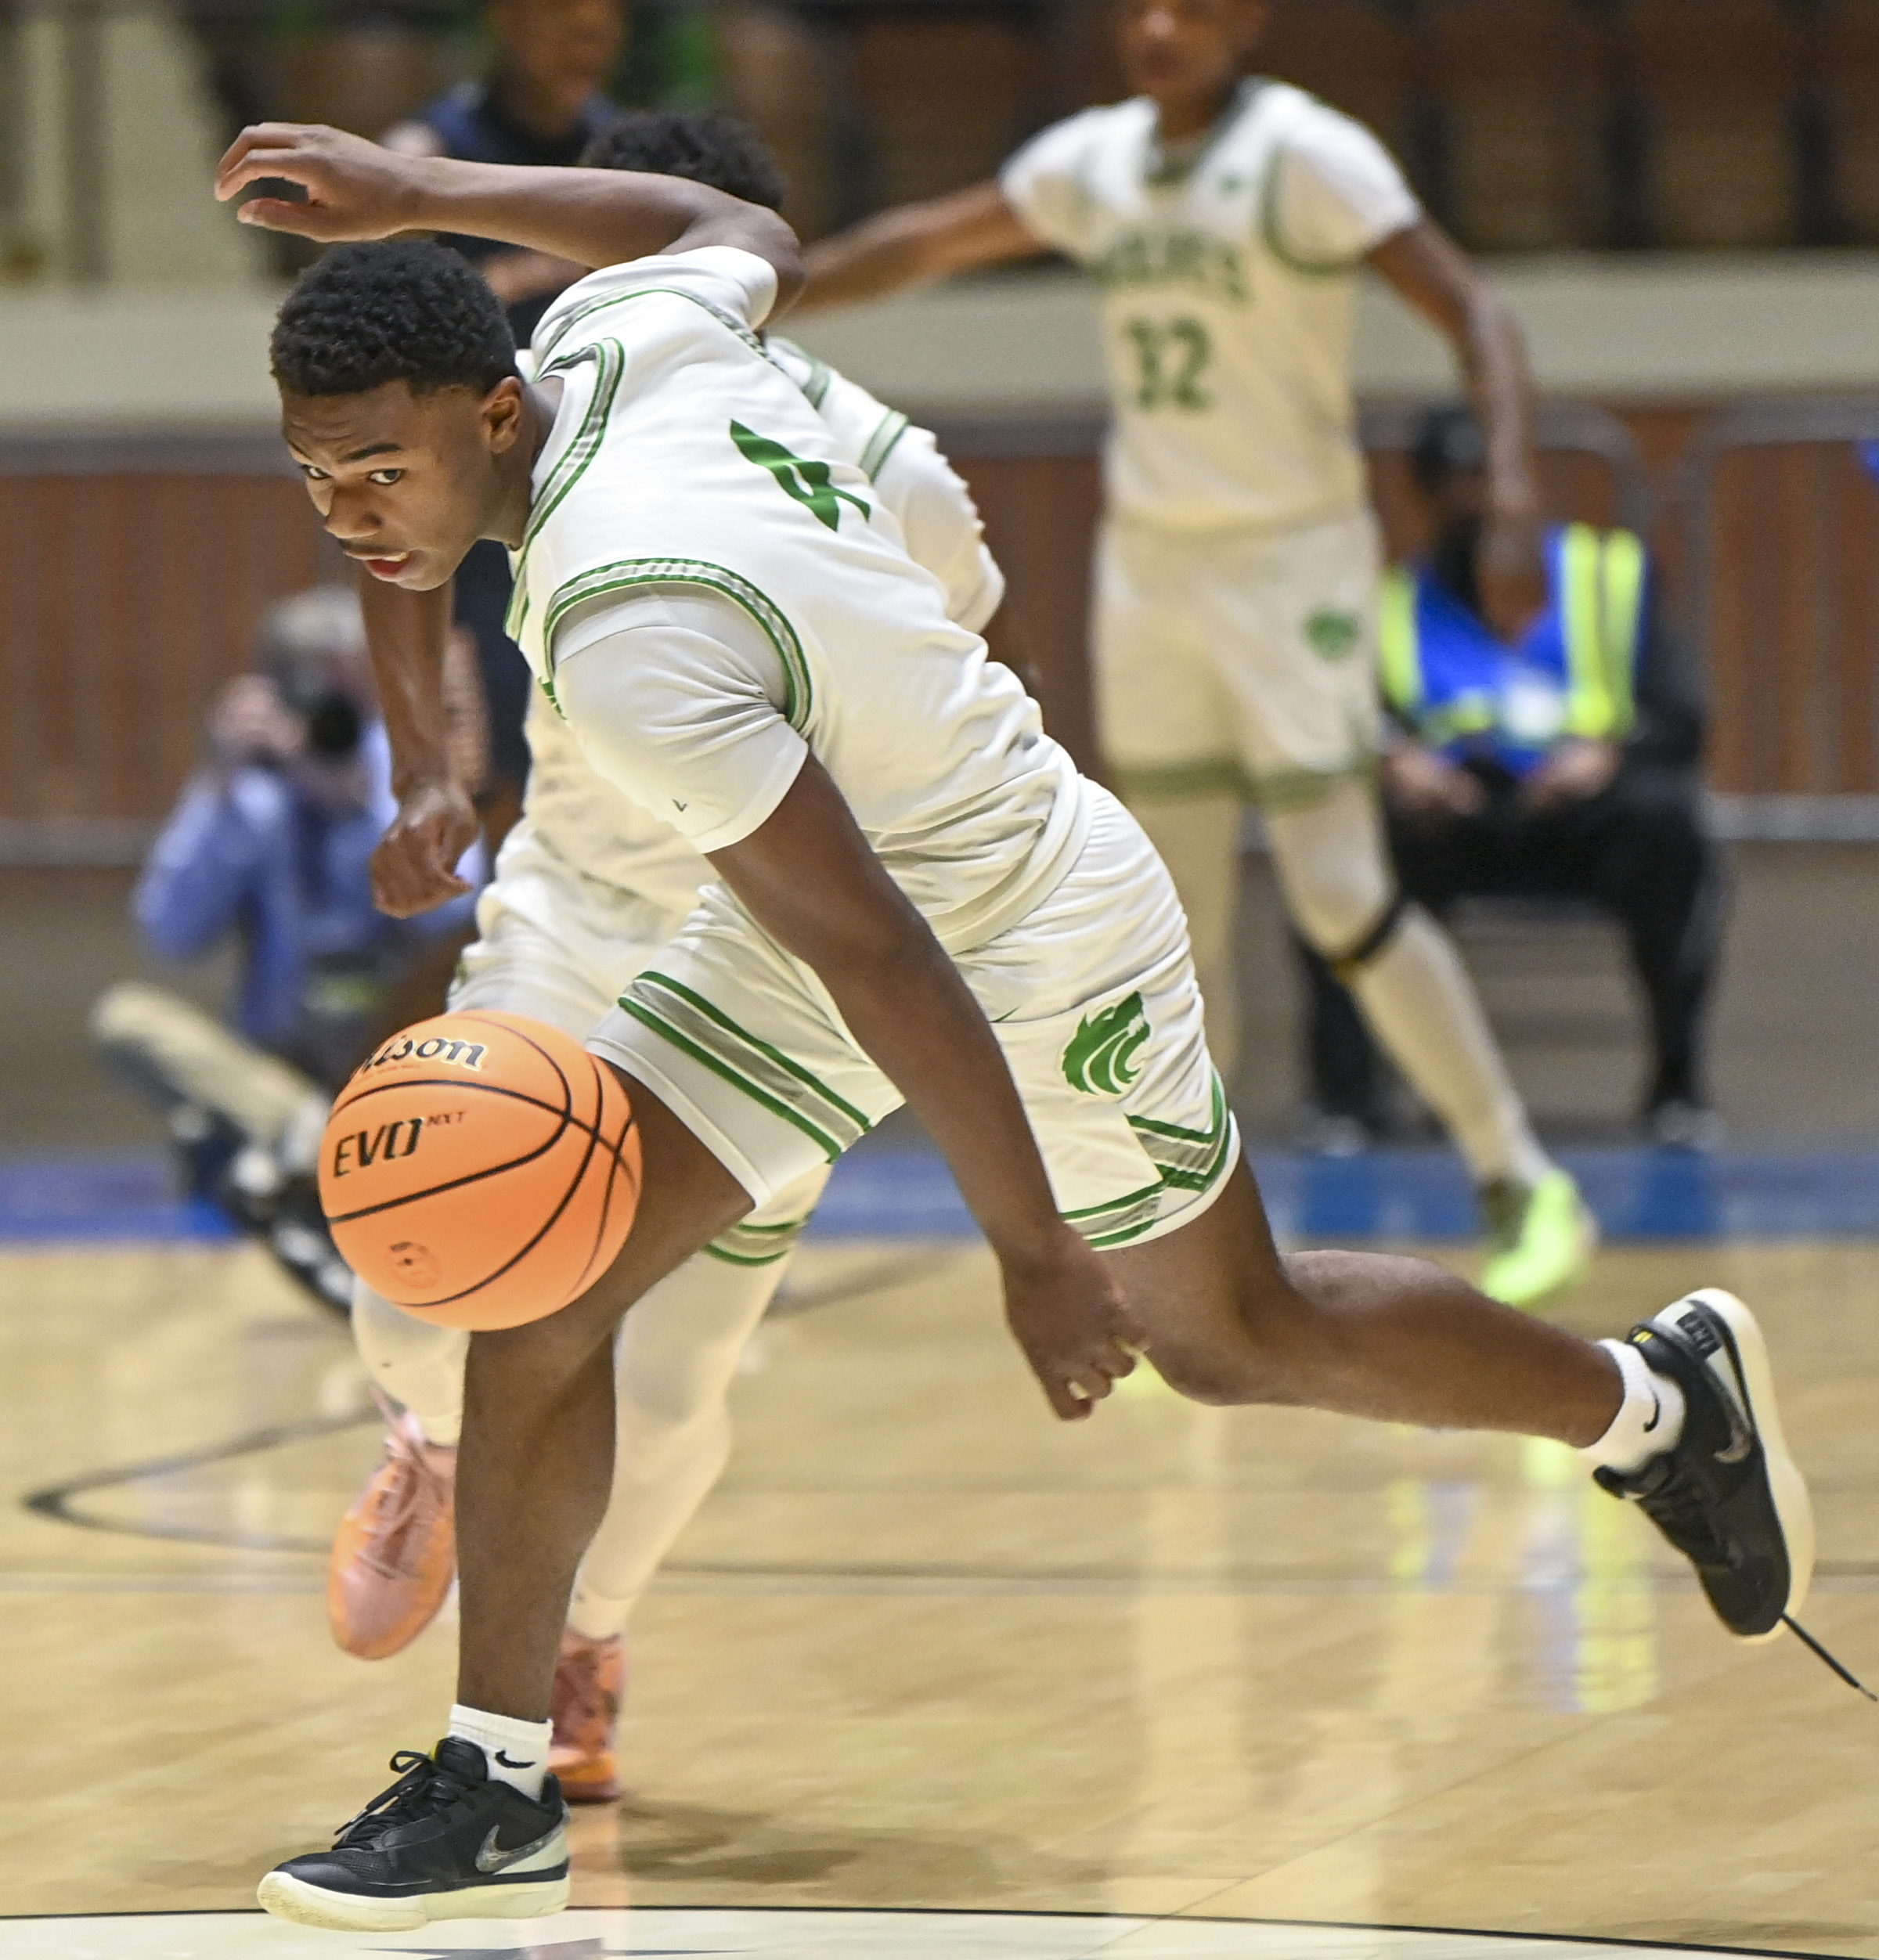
column 1350, row 963
column 1334, row 868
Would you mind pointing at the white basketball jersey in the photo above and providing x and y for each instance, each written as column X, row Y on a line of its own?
column 683, row 455
column 589, row 823
column 1227, row 275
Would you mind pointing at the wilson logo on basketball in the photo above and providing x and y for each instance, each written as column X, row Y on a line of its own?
column 360, row 1151
column 458, row 1054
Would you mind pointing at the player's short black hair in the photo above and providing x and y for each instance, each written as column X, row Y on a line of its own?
column 696, row 143
column 1449, row 442
column 403, row 311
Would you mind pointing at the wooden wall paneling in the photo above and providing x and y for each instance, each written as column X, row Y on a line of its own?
column 944, row 97
column 1857, row 737
column 1801, row 672
column 1732, row 758
column 1520, row 90
column 132, row 598
column 1359, row 56
column 1845, row 74
column 1040, row 515
column 1718, row 80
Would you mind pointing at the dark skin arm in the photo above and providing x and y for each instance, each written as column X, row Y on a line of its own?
column 915, row 242
column 1435, row 277
column 414, row 869
column 356, row 189
column 811, row 880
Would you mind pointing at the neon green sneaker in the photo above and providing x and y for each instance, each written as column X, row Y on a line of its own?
column 1542, row 1238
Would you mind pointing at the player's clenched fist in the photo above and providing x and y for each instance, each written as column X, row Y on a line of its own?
column 414, row 869
column 353, row 188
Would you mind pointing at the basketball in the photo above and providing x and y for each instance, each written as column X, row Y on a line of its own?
column 481, row 1170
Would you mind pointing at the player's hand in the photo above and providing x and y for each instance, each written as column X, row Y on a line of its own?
column 1510, row 571
column 1069, row 1316
column 355, row 188
column 1420, row 782
column 1575, row 769
column 414, row 868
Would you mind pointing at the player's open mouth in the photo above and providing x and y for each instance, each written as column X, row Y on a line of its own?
column 387, row 567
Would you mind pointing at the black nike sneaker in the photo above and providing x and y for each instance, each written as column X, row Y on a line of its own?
column 1727, row 1495
column 447, row 1841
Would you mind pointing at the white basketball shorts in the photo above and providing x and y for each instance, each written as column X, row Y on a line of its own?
column 1091, row 997
column 1237, row 662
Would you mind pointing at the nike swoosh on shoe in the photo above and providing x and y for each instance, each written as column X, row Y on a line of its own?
column 492, row 1858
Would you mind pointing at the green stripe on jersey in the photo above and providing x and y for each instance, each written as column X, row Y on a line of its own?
column 588, row 308
column 567, row 471
column 1189, row 1160
column 747, row 1244
column 764, row 1073
column 624, row 574
column 880, row 444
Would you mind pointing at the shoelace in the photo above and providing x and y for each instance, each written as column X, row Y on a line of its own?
column 1681, row 1507
column 1826, row 1659
column 422, row 1789
column 396, row 1504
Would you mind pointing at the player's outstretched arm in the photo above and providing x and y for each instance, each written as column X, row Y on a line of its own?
column 357, row 189
column 913, row 243
column 809, row 879
column 1436, row 277
column 414, row 866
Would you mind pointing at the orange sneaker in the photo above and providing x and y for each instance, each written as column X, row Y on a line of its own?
column 395, row 1554
column 590, row 1679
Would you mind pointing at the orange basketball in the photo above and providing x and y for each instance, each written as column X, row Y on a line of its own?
column 481, row 1170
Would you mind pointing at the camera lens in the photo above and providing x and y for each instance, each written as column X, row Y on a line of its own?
column 332, row 726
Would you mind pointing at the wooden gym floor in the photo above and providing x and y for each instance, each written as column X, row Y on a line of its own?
column 926, row 1649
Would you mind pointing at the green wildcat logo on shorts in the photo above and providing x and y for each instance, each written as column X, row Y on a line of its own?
column 1098, row 1059
column 805, row 481
column 1333, row 635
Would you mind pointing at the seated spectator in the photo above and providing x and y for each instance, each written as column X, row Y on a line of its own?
column 1564, row 766
column 541, row 103
column 270, row 846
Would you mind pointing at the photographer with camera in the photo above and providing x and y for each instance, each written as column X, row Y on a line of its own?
column 271, row 843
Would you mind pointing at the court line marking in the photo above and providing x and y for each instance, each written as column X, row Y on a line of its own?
column 55, row 1502
column 1143, row 1919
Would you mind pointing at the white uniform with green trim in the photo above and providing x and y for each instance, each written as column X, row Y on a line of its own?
column 1235, row 630
column 589, row 888
column 714, row 591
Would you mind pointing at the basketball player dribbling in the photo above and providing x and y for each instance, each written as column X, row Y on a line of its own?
column 1227, row 217
column 918, row 898
column 588, row 888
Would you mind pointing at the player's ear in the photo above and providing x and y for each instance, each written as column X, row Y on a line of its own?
column 502, row 413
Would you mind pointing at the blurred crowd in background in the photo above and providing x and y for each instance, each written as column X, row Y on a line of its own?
column 1524, row 124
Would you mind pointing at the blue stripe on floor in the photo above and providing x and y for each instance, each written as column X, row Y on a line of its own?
column 896, row 1192
column 101, row 1196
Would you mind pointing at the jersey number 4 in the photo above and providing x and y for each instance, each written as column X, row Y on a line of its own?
column 806, row 480
column 1170, row 357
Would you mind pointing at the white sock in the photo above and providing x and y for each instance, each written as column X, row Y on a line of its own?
column 1418, row 996
column 517, row 1751
column 1649, row 1421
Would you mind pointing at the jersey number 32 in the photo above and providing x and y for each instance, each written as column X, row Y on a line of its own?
column 1171, row 356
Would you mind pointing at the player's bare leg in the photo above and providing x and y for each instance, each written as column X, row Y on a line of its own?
column 1229, row 1320
column 535, row 1464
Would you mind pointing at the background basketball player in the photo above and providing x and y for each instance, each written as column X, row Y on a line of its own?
column 1236, row 590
